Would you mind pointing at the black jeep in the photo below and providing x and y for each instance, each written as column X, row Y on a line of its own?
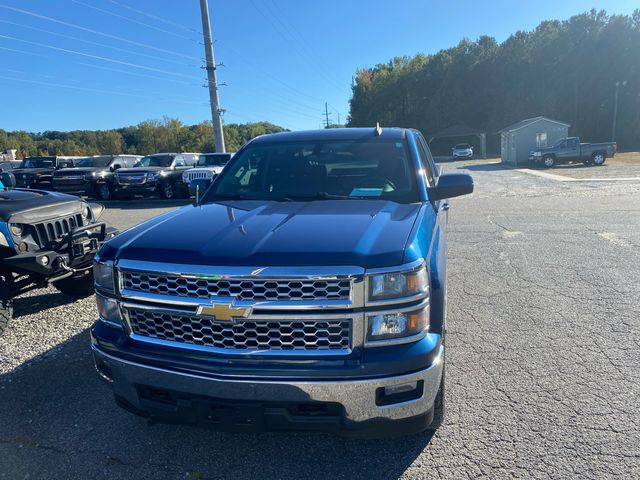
column 92, row 176
column 37, row 172
column 46, row 238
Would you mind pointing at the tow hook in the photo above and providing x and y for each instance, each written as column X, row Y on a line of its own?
column 63, row 264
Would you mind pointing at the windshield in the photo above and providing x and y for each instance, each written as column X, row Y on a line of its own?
column 99, row 162
column 37, row 163
column 362, row 169
column 463, row 146
column 217, row 160
column 155, row 161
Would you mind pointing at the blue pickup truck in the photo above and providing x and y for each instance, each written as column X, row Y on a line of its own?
column 305, row 290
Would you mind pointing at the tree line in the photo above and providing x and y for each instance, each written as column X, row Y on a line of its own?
column 565, row 70
column 151, row 136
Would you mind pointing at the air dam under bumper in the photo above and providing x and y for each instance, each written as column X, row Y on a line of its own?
column 359, row 399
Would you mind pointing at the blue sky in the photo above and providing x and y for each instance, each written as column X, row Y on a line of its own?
column 99, row 64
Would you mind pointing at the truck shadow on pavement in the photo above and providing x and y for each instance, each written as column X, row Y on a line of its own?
column 59, row 420
column 27, row 305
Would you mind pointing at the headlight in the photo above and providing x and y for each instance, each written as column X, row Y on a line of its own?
column 152, row 175
column 185, row 177
column 397, row 285
column 109, row 310
column 86, row 214
column 397, row 327
column 537, row 154
column 103, row 276
column 16, row 229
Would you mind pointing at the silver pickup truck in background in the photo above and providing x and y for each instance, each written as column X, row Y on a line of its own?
column 570, row 150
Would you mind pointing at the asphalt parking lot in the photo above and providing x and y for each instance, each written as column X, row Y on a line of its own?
column 543, row 360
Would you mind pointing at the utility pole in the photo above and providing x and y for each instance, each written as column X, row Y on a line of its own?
column 327, row 122
column 211, row 78
column 615, row 109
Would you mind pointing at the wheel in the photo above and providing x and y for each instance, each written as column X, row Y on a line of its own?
column 6, row 306
column 598, row 159
column 103, row 191
column 78, row 285
column 167, row 191
column 548, row 161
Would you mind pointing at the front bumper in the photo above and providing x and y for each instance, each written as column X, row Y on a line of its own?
column 463, row 155
column 181, row 395
column 137, row 189
column 77, row 249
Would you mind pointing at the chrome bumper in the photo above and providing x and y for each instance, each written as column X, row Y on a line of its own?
column 358, row 397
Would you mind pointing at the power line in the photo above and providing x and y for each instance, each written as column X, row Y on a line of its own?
column 284, row 32
column 282, row 16
column 137, row 74
column 107, row 12
column 264, row 73
column 98, row 57
column 98, row 44
column 96, row 32
column 95, row 90
column 155, row 17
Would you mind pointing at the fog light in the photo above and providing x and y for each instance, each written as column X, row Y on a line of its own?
column 404, row 392
column 402, row 388
column 44, row 260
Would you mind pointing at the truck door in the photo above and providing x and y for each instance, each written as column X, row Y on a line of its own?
column 573, row 150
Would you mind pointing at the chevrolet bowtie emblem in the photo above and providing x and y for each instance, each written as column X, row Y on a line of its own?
column 223, row 311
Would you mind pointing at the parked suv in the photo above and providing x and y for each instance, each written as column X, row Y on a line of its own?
column 306, row 290
column 158, row 174
column 209, row 165
column 92, row 176
column 37, row 172
column 462, row 150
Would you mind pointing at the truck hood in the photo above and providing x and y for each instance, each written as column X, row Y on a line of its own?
column 32, row 171
column 369, row 233
column 143, row 169
column 70, row 172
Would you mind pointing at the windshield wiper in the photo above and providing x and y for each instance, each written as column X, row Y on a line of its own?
column 241, row 196
column 325, row 196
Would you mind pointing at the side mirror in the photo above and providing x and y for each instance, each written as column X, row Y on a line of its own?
column 198, row 187
column 113, row 168
column 97, row 209
column 451, row 185
column 8, row 179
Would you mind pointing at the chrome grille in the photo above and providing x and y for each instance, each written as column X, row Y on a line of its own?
column 243, row 335
column 191, row 175
column 241, row 289
column 131, row 178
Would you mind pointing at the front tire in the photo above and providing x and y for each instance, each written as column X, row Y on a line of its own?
column 78, row 285
column 6, row 306
column 103, row 191
column 549, row 161
column 167, row 191
column 598, row 159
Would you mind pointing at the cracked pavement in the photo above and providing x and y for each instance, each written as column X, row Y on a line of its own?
column 543, row 355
